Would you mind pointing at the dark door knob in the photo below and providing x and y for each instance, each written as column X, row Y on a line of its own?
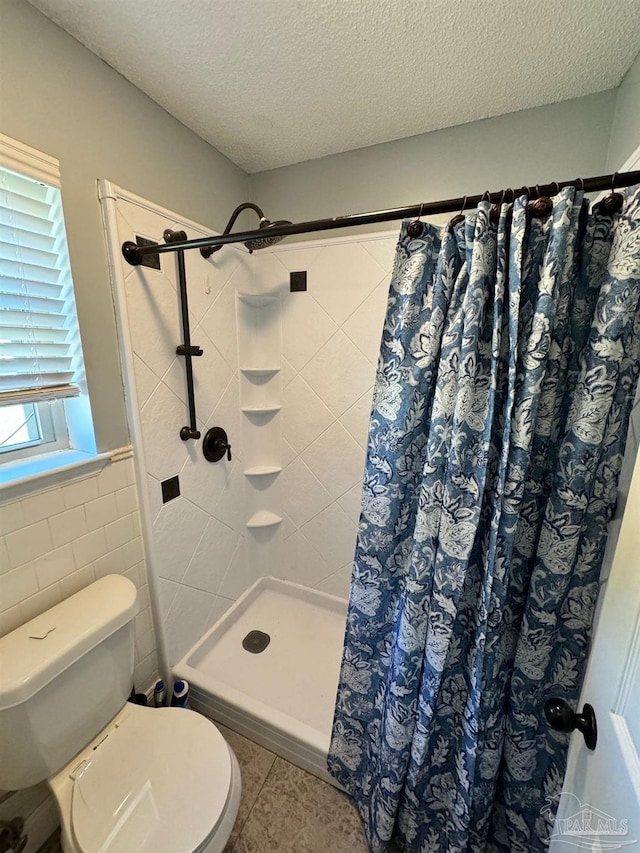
column 215, row 444
column 561, row 717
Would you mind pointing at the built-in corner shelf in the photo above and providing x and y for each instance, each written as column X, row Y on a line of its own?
column 263, row 518
column 259, row 328
column 260, row 410
column 260, row 371
column 258, row 300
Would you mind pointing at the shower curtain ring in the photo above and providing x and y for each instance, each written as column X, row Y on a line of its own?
column 580, row 186
column 541, row 207
column 613, row 202
column 494, row 214
column 459, row 217
column 414, row 228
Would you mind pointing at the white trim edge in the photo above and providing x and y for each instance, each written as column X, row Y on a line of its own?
column 75, row 469
column 108, row 195
column 29, row 161
column 109, row 191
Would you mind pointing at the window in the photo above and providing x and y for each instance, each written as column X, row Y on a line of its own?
column 43, row 402
column 27, row 426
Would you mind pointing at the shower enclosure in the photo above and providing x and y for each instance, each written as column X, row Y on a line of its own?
column 264, row 542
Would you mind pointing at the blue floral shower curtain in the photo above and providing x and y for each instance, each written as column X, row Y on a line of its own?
column 508, row 365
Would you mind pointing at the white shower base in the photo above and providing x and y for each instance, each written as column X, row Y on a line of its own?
column 282, row 698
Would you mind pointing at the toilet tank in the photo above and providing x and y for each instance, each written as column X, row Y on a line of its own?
column 63, row 676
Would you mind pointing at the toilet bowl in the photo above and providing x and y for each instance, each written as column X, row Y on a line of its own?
column 161, row 780
column 125, row 777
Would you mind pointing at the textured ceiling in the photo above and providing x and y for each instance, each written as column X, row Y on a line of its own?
column 274, row 82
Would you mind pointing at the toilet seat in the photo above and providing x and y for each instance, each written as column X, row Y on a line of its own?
column 158, row 782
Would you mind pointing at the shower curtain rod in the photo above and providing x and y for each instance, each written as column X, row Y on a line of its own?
column 134, row 253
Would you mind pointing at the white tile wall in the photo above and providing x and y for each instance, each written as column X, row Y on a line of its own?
column 331, row 336
column 198, row 538
column 55, row 543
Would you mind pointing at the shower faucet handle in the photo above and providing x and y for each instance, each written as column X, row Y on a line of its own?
column 215, row 444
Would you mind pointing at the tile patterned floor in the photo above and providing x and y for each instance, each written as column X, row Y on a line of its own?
column 283, row 809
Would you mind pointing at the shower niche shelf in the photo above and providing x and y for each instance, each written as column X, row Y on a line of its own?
column 262, row 471
column 263, row 518
column 260, row 410
column 258, row 372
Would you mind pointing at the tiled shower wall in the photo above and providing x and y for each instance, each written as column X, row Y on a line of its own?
column 198, row 539
column 53, row 544
column 330, row 342
column 203, row 554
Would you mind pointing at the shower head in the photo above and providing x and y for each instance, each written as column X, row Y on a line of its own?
column 257, row 242
column 264, row 242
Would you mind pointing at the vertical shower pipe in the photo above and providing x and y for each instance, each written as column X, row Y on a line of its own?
column 185, row 349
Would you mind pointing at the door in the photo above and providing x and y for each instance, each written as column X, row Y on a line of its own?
column 599, row 807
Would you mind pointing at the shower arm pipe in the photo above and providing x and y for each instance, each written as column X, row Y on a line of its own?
column 247, row 205
column 134, row 254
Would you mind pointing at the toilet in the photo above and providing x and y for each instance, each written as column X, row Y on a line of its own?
column 125, row 777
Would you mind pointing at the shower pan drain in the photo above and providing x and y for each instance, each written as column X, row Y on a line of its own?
column 256, row 642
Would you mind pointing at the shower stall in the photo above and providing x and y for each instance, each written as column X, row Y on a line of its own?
column 250, row 532
column 261, row 542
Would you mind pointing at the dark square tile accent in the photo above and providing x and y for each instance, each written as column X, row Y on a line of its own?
column 170, row 489
column 298, row 281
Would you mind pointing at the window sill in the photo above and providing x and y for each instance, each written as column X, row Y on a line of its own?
column 28, row 476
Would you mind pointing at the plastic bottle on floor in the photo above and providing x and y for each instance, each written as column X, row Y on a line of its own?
column 159, row 694
column 180, row 698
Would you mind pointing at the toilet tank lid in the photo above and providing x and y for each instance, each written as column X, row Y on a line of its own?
column 38, row 651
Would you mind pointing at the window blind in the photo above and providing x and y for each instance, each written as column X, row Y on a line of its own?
column 40, row 354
